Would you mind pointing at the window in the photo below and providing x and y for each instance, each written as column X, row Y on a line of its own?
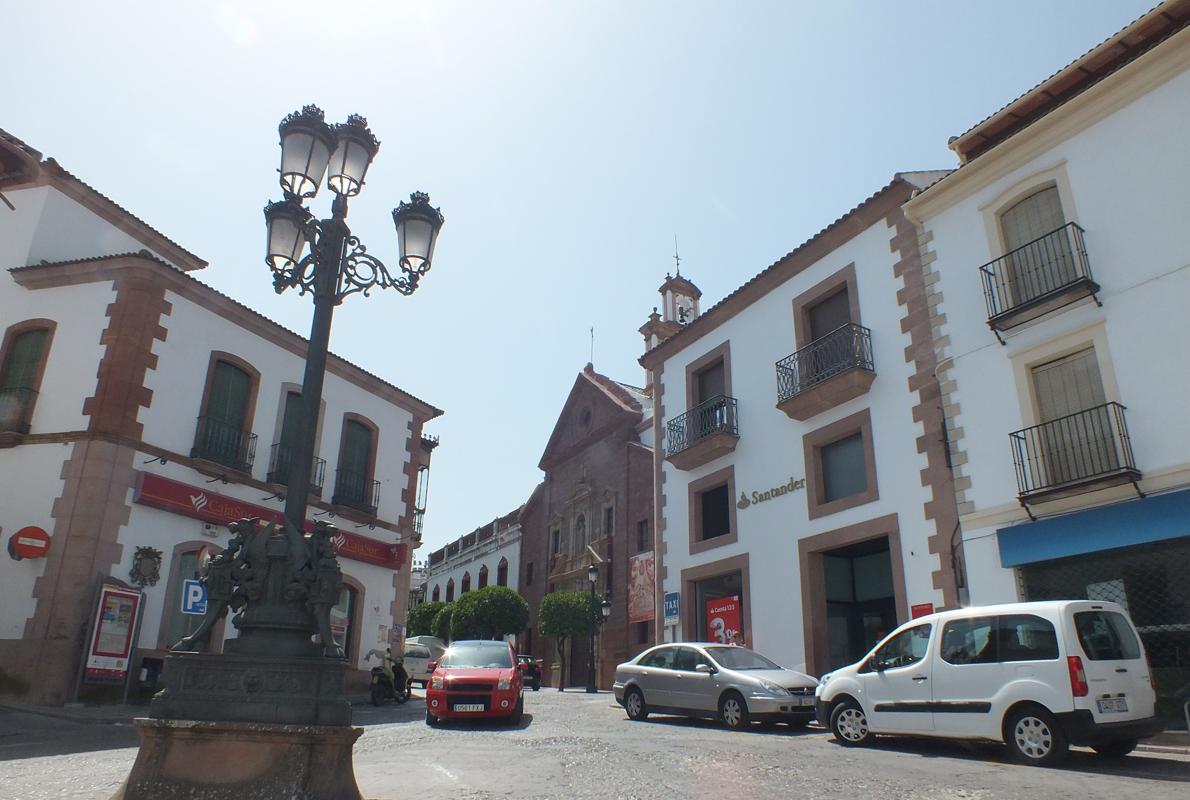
column 1037, row 263
column 843, row 472
column 529, row 574
column 580, row 535
column 450, row 590
column 662, row 658
column 713, row 505
column 24, row 356
column 437, row 595
column 687, row 658
column 609, row 521
column 906, row 648
column 555, row 541
column 342, row 617
column 502, row 572
column 711, row 382
column 223, row 435
column 642, row 632
column 483, row 576
column 182, row 625
column 354, row 486
column 643, row 543
column 969, row 641
column 286, row 446
column 988, row 640
column 466, row 585
column 1106, row 636
column 829, row 314
column 1077, row 438
column 712, row 510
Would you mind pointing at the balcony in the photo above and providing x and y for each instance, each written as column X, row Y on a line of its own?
column 702, row 434
column 220, row 443
column 1046, row 274
column 279, row 462
column 355, row 490
column 830, row 370
column 16, row 409
column 1074, row 454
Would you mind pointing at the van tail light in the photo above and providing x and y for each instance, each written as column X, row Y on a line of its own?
column 1078, row 676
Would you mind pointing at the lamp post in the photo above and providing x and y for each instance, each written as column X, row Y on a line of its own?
column 598, row 617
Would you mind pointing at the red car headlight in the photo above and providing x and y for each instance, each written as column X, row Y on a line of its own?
column 504, row 684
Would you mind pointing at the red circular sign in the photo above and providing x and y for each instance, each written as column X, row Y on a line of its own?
column 30, row 542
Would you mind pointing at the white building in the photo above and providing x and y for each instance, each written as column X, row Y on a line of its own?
column 1060, row 292
column 488, row 556
column 803, row 495
column 141, row 410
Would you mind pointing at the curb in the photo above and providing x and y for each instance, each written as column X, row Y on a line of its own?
column 69, row 716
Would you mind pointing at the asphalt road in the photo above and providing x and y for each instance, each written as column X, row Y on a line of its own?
column 574, row 745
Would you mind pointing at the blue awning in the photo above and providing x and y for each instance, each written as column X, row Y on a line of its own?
column 1139, row 521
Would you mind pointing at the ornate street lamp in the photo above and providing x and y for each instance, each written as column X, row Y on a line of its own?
column 284, row 582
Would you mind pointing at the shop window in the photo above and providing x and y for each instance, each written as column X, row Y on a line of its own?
column 22, row 362
column 223, row 434
column 437, row 595
column 466, row 585
column 502, row 572
column 182, row 625
column 712, row 510
column 483, row 576
column 840, row 465
column 719, row 608
column 643, row 543
column 450, row 590
column 342, row 619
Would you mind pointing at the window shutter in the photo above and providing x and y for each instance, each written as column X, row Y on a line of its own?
column 292, row 421
column 20, row 368
column 228, row 401
column 357, row 449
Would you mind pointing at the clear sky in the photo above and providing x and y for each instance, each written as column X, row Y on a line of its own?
column 566, row 142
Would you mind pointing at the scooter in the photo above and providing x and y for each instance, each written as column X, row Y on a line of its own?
column 383, row 688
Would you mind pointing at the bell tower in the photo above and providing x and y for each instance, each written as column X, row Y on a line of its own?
column 679, row 307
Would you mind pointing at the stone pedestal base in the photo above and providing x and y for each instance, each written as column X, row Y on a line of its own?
column 241, row 761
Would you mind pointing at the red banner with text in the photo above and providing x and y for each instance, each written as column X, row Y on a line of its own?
column 723, row 620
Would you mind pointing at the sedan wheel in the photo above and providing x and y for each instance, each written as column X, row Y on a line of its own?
column 733, row 712
column 634, row 704
column 849, row 724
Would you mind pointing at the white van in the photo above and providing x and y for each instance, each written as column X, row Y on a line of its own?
column 1037, row 676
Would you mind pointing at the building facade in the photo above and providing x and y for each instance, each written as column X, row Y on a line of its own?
column 488, row 556
column 804, row 502
column 140, row 411
column 593, row 508
column 1059, row 256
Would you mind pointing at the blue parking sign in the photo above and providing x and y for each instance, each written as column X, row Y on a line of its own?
column 194, row 597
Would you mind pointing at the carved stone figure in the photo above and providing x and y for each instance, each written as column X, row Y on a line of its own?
column 326, row 586
column 220, row 580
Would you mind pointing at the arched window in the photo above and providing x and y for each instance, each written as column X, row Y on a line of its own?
column 450, row 590
column 483, row 576
column 223, row 433
column 502, row 573
column 1040, row 253
column 22, row 361
column 466, row 587
column 354, row 484
column 437, row 595
column 580, row 535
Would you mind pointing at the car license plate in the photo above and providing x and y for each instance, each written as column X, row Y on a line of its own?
column 806, row 701
column 1112, row 705
column 468, row 707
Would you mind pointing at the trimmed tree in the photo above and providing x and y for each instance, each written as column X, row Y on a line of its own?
column 563, row 616
column 421, row 619
column 442, row 619
column 492, row 612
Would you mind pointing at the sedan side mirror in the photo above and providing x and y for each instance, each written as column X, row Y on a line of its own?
column 705, row 669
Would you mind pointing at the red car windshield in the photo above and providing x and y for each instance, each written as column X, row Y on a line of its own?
column 478, row 655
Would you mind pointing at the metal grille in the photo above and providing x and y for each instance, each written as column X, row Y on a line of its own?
column 1078, row 447
column 280, row 460
column 467, row 687
column 16, row 406
column 847, row 347
column 1151, row 582
column 717, row 415
column 354, row 490
column 215, row 440
column 1036, row 270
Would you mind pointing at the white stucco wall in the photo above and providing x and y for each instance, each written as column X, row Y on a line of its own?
column 505, row 544
column 1129, row 187
column 770, row 448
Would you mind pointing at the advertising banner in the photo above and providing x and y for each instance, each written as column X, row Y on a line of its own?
column 723, row 619
column 110, row 648
column 641, row 587
column 193, row 501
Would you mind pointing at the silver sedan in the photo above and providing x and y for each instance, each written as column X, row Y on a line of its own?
column 732, row 684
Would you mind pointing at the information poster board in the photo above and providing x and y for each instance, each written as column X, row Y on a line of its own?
column 112, row 635
column 723, row 619
column 642, row 584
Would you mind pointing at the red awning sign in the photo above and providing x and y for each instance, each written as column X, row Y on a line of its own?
column 30, row 542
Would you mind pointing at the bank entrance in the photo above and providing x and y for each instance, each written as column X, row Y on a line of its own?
column 861, row 607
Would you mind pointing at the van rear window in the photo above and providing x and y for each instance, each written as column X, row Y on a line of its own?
column 1106, row 636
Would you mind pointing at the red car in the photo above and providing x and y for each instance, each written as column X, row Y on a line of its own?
column 476, row 679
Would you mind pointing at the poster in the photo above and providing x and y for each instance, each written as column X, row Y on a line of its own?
column 110, row 648
column 641, row 587
column 723, row 620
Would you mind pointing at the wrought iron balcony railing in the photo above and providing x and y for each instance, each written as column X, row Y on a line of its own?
column 845, row 348
column 16, row 407
column 355, row 490
column 717, row 415
column 282, row 457
column 1079, row 448
column 215, row 440
column 1036, row 271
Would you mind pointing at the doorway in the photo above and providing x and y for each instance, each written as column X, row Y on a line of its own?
column 861, row 606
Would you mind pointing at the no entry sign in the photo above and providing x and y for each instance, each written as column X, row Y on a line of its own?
column 30, row 542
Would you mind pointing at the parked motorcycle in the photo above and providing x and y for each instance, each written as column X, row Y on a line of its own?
column 383, row 687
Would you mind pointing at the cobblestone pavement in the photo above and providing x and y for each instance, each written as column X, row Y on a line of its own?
column 575, row 745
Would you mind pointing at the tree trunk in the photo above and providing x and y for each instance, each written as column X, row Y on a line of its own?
column 561, row 664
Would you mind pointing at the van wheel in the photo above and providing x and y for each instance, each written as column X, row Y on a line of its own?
column 1034, row 737
column 733, row 711
column 849, row 724
column 634, row 705
column 1117, row 749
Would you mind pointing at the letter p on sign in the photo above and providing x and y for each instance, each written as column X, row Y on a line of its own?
column 194, row 597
